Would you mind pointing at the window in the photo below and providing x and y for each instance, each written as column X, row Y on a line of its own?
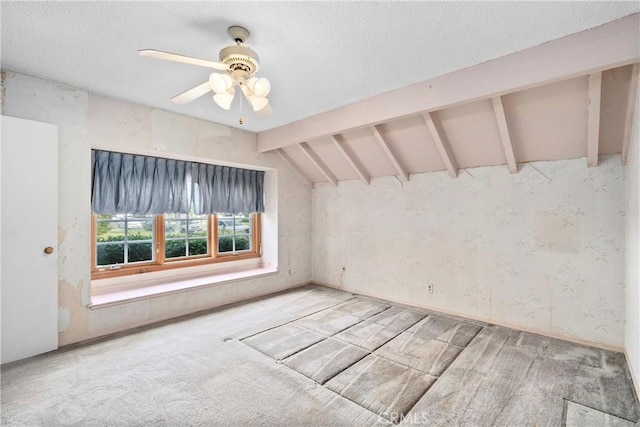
column 174, row 236
column 124, row 239
column 185, row 235
column 132, row 244
column 234, row 233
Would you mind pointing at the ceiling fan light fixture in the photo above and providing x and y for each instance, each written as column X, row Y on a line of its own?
column 260, row 87
column 237, row 64
column 223, row 100
column 220, row 83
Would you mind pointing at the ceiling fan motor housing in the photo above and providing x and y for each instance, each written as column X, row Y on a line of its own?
column 240, row 58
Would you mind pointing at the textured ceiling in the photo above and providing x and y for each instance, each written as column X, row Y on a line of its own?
column 317, row 55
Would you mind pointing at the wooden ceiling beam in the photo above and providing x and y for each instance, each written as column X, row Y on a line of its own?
column 391, row 155
column 601, row 48
column 288, row 160
column 505, row 135
column 593, row 118
column 631, row 114
column 440, row 140
column 311, row 155
column 350, row 158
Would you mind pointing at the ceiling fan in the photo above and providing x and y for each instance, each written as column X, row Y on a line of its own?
column 238, row 63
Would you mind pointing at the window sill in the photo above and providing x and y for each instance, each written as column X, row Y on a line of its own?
column 107, row 296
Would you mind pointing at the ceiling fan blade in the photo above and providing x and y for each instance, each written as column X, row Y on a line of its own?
column 266, row 111
column 257, row 103
column 158, row 54
column 192, row 94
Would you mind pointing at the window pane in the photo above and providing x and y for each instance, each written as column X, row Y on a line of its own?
column 234, row 233
column 124, row 239
column 225, row 244
column 186, row 235
column 110, row 231
column 243, row 224
column 175, row 248
column 110, row 254
column 110, row 228
column 197, row 228
column 116, row 232
column 225, row 226
column 135, row 234
column 242, row 243
column 139, row 235
column 106, row 228
column 147, row 224
column 140, row 252
column 139, row 227
column 198, row 247
column 175, row 229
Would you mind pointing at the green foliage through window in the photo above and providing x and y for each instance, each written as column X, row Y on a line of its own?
column 122, row 239
column 113, row 253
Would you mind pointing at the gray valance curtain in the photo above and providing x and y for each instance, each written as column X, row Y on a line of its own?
column 135, row 184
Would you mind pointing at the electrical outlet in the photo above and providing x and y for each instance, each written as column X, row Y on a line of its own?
column 430, row 289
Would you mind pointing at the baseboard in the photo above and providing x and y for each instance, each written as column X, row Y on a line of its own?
column 634, row 378
column 482, row 319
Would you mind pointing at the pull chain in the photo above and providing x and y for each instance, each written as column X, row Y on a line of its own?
column 240, row 119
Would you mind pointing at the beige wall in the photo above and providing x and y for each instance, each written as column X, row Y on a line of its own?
column 541, row 250
column 87, row 120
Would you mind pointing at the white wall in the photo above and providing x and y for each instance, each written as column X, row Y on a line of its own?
column 632, row 252
column 87, row 120
column 542, row 249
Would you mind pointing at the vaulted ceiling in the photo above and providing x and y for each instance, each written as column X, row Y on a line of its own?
column 543, row 123
column 570, row 98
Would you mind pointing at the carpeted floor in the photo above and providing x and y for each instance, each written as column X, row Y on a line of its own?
column 317, row 356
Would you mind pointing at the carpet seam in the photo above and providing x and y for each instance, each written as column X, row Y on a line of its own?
column 297, row 318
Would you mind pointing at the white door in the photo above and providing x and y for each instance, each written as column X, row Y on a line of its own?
column 29, row 238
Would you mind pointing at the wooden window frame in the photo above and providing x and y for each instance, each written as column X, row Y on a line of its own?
column 161, row 264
